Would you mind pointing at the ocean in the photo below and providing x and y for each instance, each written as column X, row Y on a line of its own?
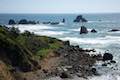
column 102, row 41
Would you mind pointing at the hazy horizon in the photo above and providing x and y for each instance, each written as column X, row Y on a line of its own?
column 61, row 6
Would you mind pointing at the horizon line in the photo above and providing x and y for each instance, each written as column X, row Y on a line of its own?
column 67, row 13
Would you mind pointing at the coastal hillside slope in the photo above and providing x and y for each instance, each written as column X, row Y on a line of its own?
column 22, row 51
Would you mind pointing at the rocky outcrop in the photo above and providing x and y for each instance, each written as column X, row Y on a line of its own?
column 11, row 22
column 80, row 18
column 75, row 60
column 22, row 21
column 93, row 31
column 66, row 43
column 107, row 56
column 114, row 30
column 83, row 30
column 63, row 21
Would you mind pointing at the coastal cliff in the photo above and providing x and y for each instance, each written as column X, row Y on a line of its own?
column 27, row 56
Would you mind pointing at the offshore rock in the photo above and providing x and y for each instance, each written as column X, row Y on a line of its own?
column 83, row 30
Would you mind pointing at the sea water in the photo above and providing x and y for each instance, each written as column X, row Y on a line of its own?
column 101, row 41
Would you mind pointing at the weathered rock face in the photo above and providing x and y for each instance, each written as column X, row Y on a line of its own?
column 107, row 56
column 11, row 22
column 93, row 31
column 80, row 18
column 83, row 30
column 114, row 30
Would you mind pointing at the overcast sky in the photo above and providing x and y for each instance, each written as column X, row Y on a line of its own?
column 59, row 6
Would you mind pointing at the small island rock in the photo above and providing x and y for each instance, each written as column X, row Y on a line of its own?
column 80, row 18
column 93, row 31
column 83, row 30
column 11, row 22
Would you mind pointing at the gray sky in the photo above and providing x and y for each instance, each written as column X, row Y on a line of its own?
column 59, row 6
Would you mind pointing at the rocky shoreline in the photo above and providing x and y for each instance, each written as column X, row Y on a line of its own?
column 75, row 61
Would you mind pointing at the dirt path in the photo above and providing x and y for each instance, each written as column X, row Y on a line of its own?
column 48, row 65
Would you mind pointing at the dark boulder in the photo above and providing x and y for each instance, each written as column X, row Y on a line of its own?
column 80, row 18
column 64, row 75
column 107, row 56
column 63, row 20
column 11, row 22
column 94, row 71
column 83, row 30
column 104, row 64
column 93, row 31
column 112, row 61
column 66, row 43
column 114, row 30
column 23, row 21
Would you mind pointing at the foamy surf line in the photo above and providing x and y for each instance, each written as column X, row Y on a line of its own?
column 51, row 33
column 78, row 29
column 101, row 40
column 32, row 28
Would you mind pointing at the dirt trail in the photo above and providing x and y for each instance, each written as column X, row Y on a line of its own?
column 48, row 65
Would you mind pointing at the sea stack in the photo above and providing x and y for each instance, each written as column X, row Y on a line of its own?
column 63, row 20
column 80, row 18
column 11, row 22
column 83, row 30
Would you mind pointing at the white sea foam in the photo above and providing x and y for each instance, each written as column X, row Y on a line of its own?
column 101, row 21
column 78, row 29
column 51, row 33
column 32, row 28
column 101, row 40
column 106, row 77
column 61, row 23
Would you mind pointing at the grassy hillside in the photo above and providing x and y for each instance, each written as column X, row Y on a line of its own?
column 22, row 51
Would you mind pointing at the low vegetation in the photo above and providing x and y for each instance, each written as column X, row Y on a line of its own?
column 22, row 51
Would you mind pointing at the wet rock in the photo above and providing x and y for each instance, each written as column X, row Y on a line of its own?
column 93, row 31
column 66, row 43
column 97, row 57
column 11, row 22
column 83, row 30
column 112, row 61
column 80, row 18
column 23, row 21
column 114, row 30
column 64, row 75
column 94, row 71
column 104, row 64
column 63, row 20
column 107, row 56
